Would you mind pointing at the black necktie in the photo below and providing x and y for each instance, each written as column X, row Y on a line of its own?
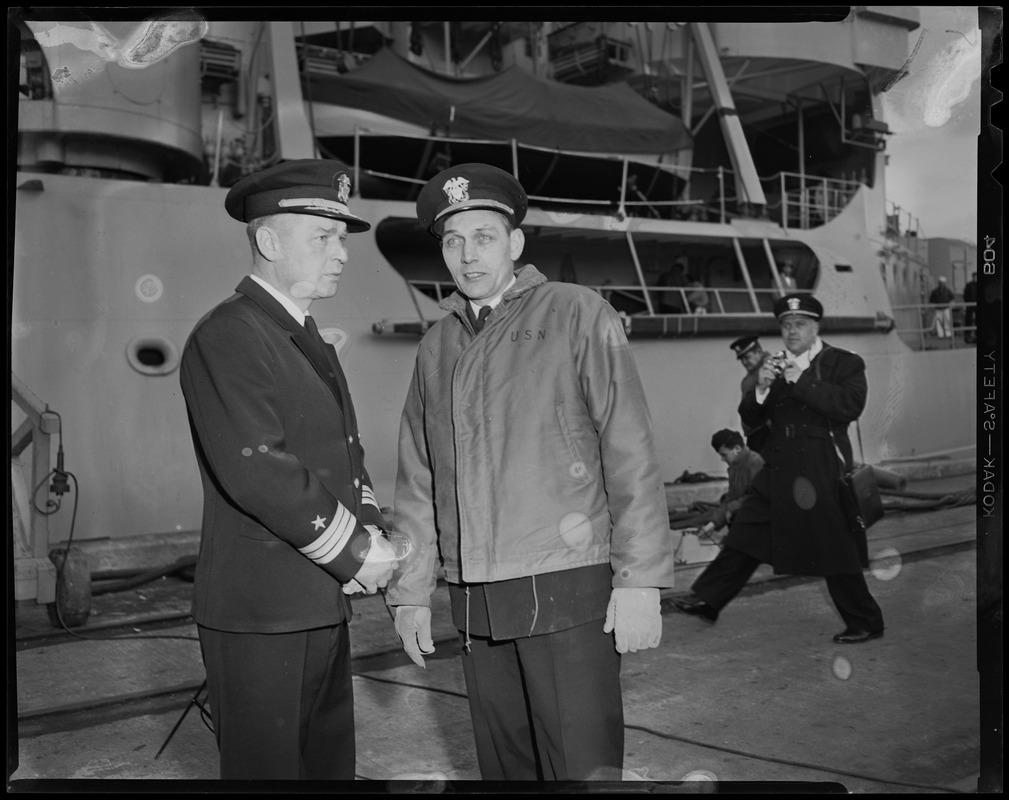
column 325, row 349
column 478, row 321
column 313, row 331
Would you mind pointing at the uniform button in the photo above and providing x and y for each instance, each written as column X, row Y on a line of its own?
column 357, row 483
column 350, row 439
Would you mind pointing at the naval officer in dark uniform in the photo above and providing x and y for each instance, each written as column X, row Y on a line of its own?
column 792, row 517
column 751, row 355
column 290, row 523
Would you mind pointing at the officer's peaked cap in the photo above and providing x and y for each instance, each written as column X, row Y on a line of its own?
column 466, row 187
column 805, row 305
column 744, row 345
column 320, row 187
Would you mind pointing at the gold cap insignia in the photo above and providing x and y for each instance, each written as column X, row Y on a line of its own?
column 456, row 190
column 343, row 187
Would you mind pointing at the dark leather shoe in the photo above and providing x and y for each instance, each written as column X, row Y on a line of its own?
column 856, row 636
column 696, row 607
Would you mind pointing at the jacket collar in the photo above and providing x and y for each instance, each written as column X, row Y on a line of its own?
column 286, row 302
column 526, row 279
column 322, row 361
column 823, row 349
column 269, row 304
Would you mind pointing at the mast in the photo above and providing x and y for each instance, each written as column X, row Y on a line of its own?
column 294, row 133
column 748, row 186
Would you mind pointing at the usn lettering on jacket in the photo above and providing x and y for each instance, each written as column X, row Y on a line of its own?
column 528, row 335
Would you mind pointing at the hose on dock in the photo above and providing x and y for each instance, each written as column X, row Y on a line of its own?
column 927, row 501
column 124, row 579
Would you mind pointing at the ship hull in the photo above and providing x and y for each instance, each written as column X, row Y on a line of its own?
column 106, row 272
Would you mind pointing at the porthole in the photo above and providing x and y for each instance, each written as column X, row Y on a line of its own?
column 152, row 355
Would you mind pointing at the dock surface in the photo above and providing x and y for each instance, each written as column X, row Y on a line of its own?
column 761, row 698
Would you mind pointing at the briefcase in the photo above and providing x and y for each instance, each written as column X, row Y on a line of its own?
column 861, row 498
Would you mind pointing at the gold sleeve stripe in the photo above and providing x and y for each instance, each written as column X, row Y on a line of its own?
column 333, row 539
column 368, row 496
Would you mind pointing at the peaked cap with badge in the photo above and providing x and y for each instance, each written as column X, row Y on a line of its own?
column 466, row 187
column 803, row 305
column 320, row 187
column 744, row 345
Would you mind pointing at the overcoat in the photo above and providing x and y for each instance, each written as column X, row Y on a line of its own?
column 286, row 493
column 793, row 518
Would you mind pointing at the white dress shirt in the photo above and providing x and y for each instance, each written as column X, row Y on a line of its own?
column 285, row 301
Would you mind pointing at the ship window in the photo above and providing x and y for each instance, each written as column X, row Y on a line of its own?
column 843, row 267
column 152, row 355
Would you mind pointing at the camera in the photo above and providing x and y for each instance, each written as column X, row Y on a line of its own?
column 777, row 363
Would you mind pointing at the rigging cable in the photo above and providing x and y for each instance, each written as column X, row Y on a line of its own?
column 60, row 486
column 308, row 95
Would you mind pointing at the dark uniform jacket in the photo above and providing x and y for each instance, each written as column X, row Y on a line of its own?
column 756, row 435
column 941, row 295
column 793, row 517
column 286, row 494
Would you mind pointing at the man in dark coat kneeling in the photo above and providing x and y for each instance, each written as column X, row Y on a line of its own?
column 792, row 517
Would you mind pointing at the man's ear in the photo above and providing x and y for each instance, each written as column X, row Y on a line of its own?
column 268, row 243
column 518, row 243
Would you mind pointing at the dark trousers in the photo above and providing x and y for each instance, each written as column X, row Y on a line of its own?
column 282, row 703
column 725, row 577
column 547, row 707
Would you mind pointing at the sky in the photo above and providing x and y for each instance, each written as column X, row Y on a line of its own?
column 934, row 113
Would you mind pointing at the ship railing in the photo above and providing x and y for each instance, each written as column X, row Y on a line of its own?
column 661, row 300
column 794, row 200
column 720, row 299
column 895, row 220
column 916, row 325
column 628, row 199
column 906, row 233
column 807, row 201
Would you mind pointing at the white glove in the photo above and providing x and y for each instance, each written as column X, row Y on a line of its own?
column 413, row 624
column 378, row 566
column 635, row 617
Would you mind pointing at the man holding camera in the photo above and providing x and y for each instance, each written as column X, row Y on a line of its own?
column 792, row 517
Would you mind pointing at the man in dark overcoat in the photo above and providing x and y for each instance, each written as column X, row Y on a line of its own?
column 793, row 516
column 290, row 523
